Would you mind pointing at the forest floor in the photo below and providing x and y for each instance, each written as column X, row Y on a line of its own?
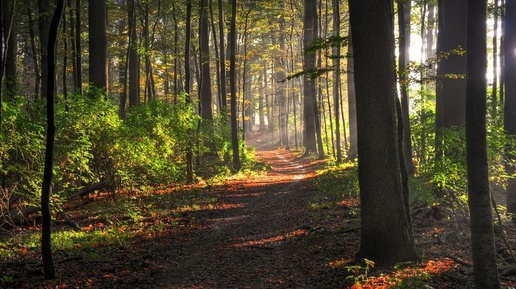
column 267, row 230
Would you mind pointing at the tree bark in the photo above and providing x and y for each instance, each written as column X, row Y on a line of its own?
column 46, row 217
column 510, row 103
column 485, row 269
column 309, row 86
column 8, row 18
column 204, row 48
column 98, row 72
column 133, row 59
column 232, row 86
column 386, row 232
column 352, row 109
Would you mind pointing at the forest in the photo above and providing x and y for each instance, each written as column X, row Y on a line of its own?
column 257, row 144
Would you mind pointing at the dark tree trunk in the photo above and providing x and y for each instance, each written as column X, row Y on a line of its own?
column 386, row 232
column 494, row 92
column 336, row 76
column 510, row 102
column 404, row 47
column 98, row 71
column 222, row 55
column 133, row 59
column 34, row 50
column 189, row 151
column 232, row 86
column 78, row 47
column 46, row 217
column 352, row 109
column 43, row 26
column 485, row 269
column 204, row 47
column 451, row 84
column 309, row 87
column 8, row 18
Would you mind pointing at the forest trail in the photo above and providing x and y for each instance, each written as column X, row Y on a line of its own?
column 262, row 235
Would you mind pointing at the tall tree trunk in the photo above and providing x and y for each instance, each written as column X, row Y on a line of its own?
column 494, row 92
column 404, row 47
column 352, row 109
column 122, row 66
column 204, row 48
column 386, row 236
column 485, row 269
column 43, row 26
column 336, row 77
column 46, row 189
column 8, row 17
column 309, row 87
column 34, row 50
column 510, row 103
column 222, row 55
column 78, row 47
column 188, row 36
column 451, row 86
column 98, row 72
column 133, row 59
column 233, row 86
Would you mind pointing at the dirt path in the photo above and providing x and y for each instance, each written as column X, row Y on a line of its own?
column 261, row 236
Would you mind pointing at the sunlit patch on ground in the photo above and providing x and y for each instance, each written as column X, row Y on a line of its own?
column 404, row 277
column 270, row 241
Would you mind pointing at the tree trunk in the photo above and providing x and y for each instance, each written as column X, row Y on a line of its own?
column 78, row 49
column 43, row 26
column 204, row 48
column 309, row 87
column 222, row 55
column 352, row 109
column 46, row 217
column 8, row 18
column 336, row 77
column 98, row 72
column 404, row 47
column 189, row 151
column 386, row 232
column 451, row 84
column 510, row 103
column 233, row 87
column 132, row 59
column 485, row 269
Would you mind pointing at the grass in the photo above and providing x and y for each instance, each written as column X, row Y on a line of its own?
column 335, row 184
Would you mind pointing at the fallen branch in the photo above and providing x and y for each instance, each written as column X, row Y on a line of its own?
column 458, row 260
column 89, row 189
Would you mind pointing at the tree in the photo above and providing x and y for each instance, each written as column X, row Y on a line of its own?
column 386, row 232
column 46, row 217
column 352, row 109
column 232, row 86
column 404, row 47
column 132, row 56
column 98, row 71
column 510, row 102
column 485, row 270
column 336, row 76
column 189, row 152
column 451, row 85
column 309, row 86
column 204, row 47
column 8, row 18
column 43, row 26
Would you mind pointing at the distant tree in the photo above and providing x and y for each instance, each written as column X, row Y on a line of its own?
column 98, row 71
column 485, row 269
column 386, row 236
column 46, row 217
